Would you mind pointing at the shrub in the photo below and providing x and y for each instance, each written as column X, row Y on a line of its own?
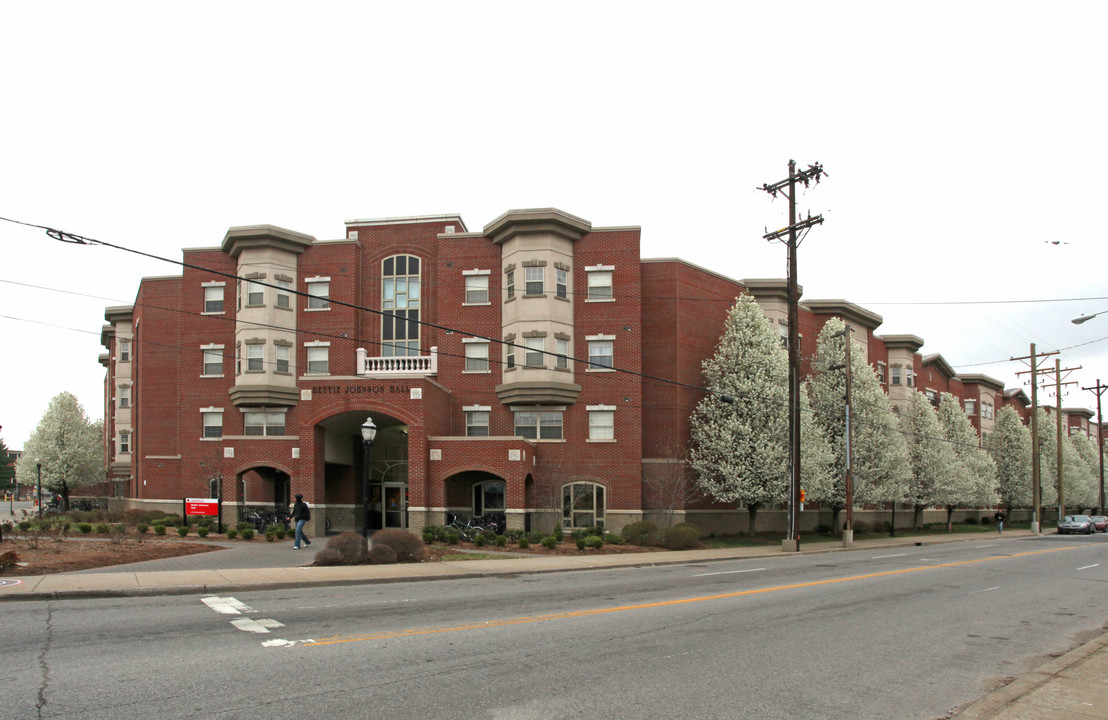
column 135, row 516
column 452, row 537
column 8, row 559
column 986, row 520
column 428, row 536
column 549, row 542
column 513, row 535
column 680, row 537
column 85, row 528
column 407, row 546
column 183, row 530
column 117, row 532
column 642, row 532
column 594, row 541
column 243, row 525
column 202, row 531
column 232, row 533
column 501, row 541
column 382, row 555
column 142, row 528
column 823, row 529
column 612, row 539
column 524, row 543
column 24, row 525
column 205, row 522
column 580, row 541
column 479, row 540
column 971, row 520
column 351, row 547
column 102, row 529
column 270, row 536
column 247, row 533
column 328, row 556
column 558, row 534
column 437, row 533
column 159, row 529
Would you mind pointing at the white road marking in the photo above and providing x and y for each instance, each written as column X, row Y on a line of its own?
column 276, row 642
column 226, row 605
column 262, row 625
column 1089, row 566
column 985, row 590
column 982, row 547
column 729, row 572
column 882, row 557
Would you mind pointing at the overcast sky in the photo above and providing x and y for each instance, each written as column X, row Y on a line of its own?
column 962, row 141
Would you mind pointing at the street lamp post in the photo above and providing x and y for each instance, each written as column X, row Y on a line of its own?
column 369, row 431
column 1085, row 318
column 38, row 497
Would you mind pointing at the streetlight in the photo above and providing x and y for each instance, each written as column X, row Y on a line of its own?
column 369, row 431
column 38, row 498
column 1085, row 318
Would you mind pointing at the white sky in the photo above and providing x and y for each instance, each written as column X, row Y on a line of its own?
column 960, row 139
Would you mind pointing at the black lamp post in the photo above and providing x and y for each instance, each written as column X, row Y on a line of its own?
column 369, row 431
column 38, row 498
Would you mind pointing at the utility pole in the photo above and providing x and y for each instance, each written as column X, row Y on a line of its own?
column 1036, row 485
column 848, row 531
column 787, row 187
column 1058, row 385
column 1099, row 390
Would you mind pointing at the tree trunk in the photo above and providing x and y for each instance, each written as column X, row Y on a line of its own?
column 949, row 515
column 752, row 512
column 917, row 515
column 65, row 496
column 835, row 519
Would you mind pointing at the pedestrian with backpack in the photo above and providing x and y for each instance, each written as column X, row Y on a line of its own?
column 300, row 515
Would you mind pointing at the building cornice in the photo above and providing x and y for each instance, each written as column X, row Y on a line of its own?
column 241, row 238
column 848, row 311
column 976, row 379
column 536, row 220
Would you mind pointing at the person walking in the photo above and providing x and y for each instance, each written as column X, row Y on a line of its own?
column 300, row 515
column 999, row 517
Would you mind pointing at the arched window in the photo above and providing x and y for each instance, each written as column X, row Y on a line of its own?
column 582, row 505
column 488, row 497
column 400, row 297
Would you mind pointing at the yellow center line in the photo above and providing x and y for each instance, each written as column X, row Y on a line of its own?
column 666, row 603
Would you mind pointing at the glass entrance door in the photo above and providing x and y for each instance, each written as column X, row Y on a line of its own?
column 396, row 506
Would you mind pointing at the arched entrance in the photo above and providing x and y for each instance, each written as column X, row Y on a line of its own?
column 477, row 493
column 361, row 496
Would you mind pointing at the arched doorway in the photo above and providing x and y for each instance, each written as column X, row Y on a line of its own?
column 477, row 493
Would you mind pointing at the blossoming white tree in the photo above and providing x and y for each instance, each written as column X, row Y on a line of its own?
column 879, row 454
column 1082, row 472
column 976, row 476
column 934, row 468
column 1009, row 445
column 740, row 449
column 67, row 445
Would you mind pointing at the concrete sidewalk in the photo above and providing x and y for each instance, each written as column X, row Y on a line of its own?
column 1073, row 684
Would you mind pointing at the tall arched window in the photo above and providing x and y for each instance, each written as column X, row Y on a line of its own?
column 582, row 505
column 400, row 281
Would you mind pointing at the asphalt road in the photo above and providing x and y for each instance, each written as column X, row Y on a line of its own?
column 913, row 633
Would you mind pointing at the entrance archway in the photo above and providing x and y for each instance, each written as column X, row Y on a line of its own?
column 477, row 493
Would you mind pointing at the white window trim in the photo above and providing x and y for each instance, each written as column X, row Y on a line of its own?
column 488, row 357
column 317, row 279
column 599, row 268
column 488, row 287
column 317, row 344
column 213, row 411
column 477, row 408
column 602, row 408
column 600, row 338
column 222, row 360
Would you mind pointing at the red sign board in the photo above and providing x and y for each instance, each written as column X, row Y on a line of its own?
column 202, row 506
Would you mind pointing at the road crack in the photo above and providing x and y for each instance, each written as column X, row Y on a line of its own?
column 44, row 666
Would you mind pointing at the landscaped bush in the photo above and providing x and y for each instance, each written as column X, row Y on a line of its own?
column 202, row 531
column 580, row 542
column 24, row 525
column 513, row 535
column 328, row 557
column 986, row 520
column 243, row 525
column 270, row 536
column 159, row 529
column 594, row 541
column 351, row 547
column 558, row 534
column 232, row 533
column 452, row 537
column 612, row 539
column 142, row 528
column 428, row 536
column 102, row 528
column 382, row 555
column 479, row 540
column 407, row 546
column 436, row 533
column 680, row 537
column 135, row 516
column 278, row 531
column 501, row 541
column 247, row 533
column 87, row 516
column 970, row 520
column 524, row 543
column 8, row 559
column 642, row 532
column 84, row 528
column 823, row 529
column 549, row 542
column 183, row 530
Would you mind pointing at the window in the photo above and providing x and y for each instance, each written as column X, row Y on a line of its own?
column 509, row 285
column 319, row 293
column 783, row 334
column 534, row 355
column 255, row 361
column 932, row 397
column 263, row 423
column 896, row 374
column 124, row 442
column 318, row 359
column 477, row 423
column 255, row 294
column 986, row 410
column 284, row 294
column 539, row 425
column 562, row 353
column 561, row 283
column 510, row 358
column 477, row 289
column 124, row 396
column 488, row 496
column 881, row 373
column 213, row 424
column 600, row 355
column 477, row 356
column 213, row 299
column 582, row 505
column 213, row 361
column 283, row 356
column 124, row 351
column 535, row 281
column 909, row 379
column 400, row 301
column 602, row 423
column 600, row 284
column 971, row 407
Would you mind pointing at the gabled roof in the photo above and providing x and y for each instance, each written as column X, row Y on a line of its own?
column 939, row 363
column 977, row 379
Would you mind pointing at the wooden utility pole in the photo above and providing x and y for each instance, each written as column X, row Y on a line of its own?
column 1058, row 385
column 1099, row 390
column 787, row 187
column 1036, row 484
column 848, row 531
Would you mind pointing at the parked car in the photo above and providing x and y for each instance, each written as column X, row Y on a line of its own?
column 1100, row 523
column 1076, row 524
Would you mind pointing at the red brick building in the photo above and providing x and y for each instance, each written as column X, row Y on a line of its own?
column 538, row 369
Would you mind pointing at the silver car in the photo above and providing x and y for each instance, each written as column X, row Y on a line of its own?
column 1076, row 524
